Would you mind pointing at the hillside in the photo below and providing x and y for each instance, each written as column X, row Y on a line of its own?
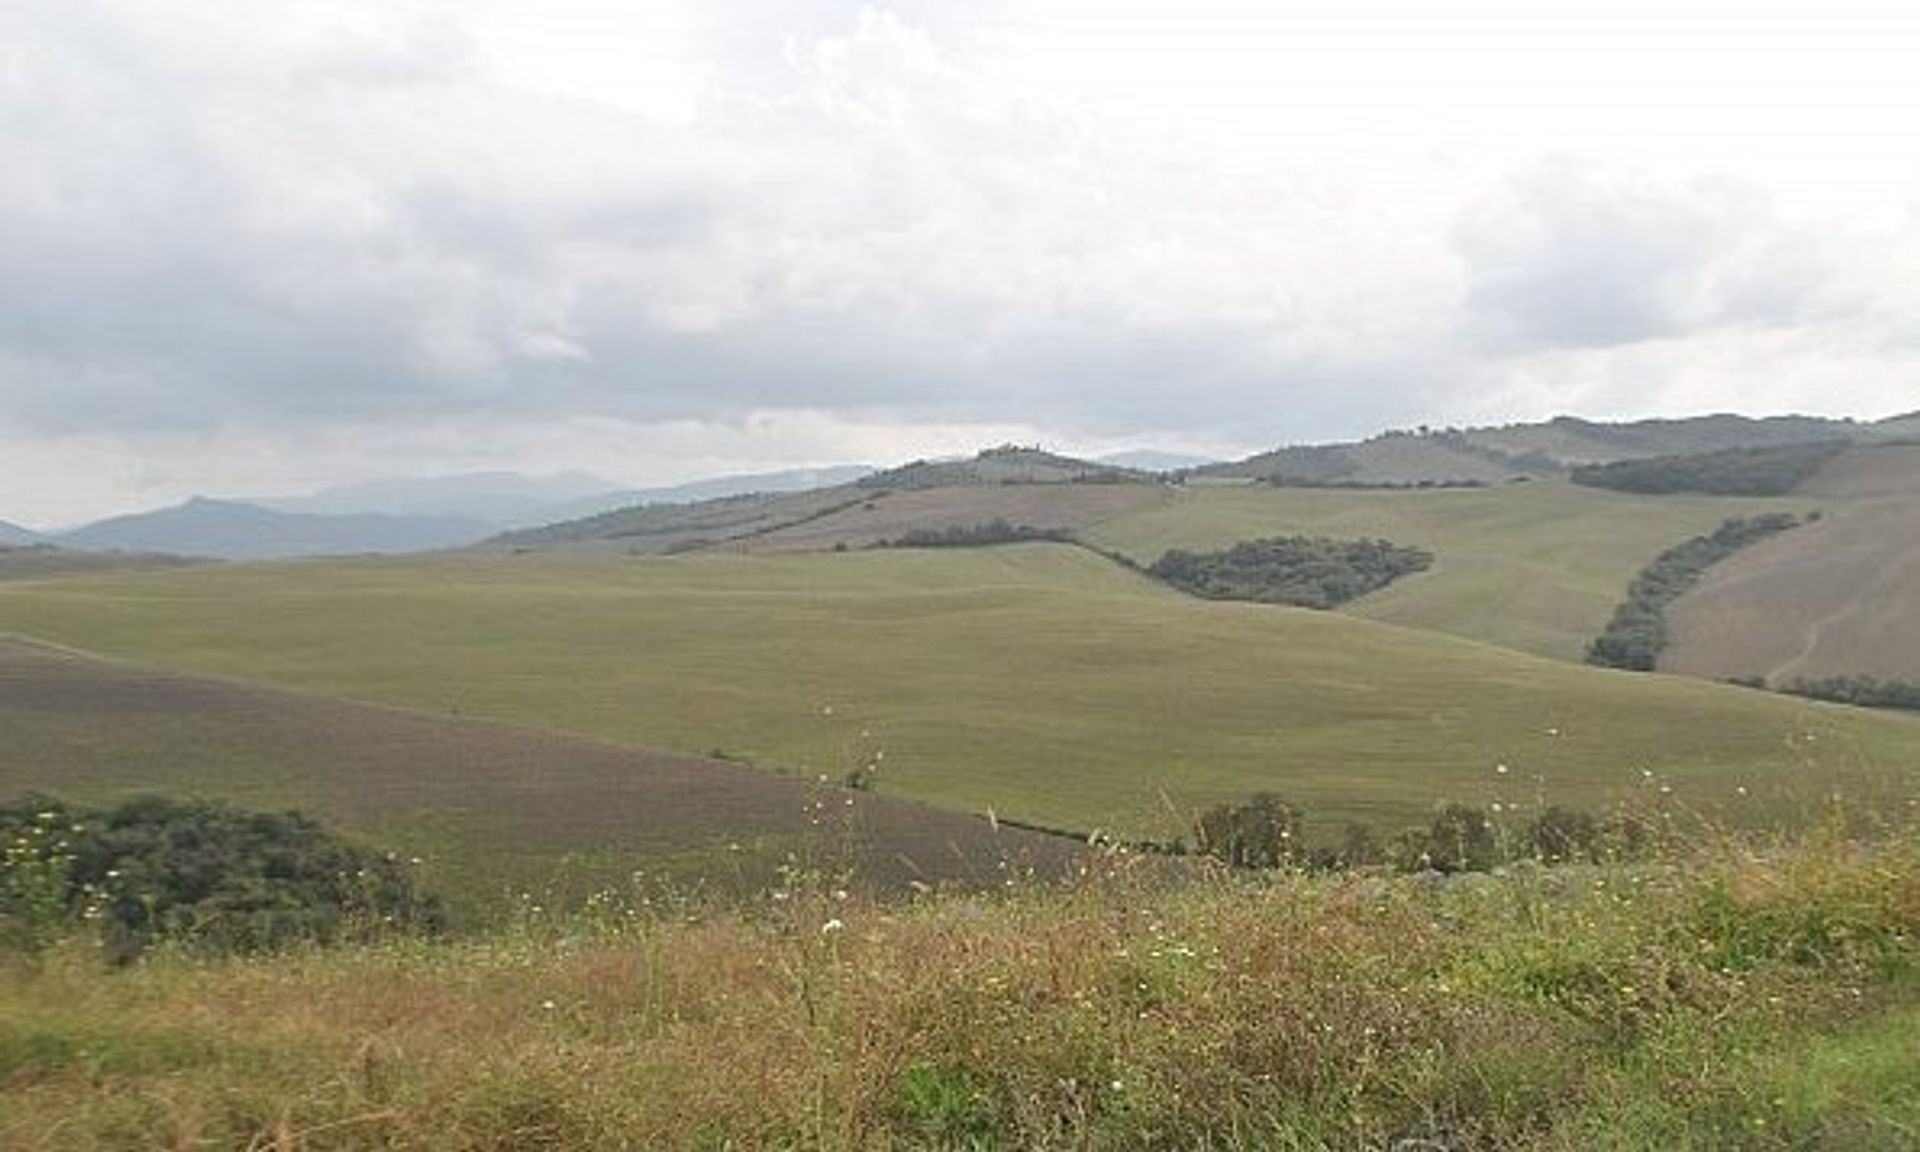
column 13, row 534
column 44, row 561
column 1008, row 464
column 1834, row 598
column 490, row 808
column 1038, row 681
column 1494, row 455
column 1021, row 485
column 230, row 530
column 1537, row 567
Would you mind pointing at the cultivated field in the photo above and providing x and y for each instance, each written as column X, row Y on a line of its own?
column 1038, row 681
column 1535, row 566
column 1837, row 597
column 488, row 807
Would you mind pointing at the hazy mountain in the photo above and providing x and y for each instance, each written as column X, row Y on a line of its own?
column 1154, row 460
column 494, row 497
column 237, row 531
column 14, row 534
column 506, row 500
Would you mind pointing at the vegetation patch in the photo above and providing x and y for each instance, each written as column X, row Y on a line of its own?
column 206, row 876
column 1773, row 470
column 1733, row 995
column 1859, row 691
column 995, row 531
column 1305, row 571
column 1637, row 633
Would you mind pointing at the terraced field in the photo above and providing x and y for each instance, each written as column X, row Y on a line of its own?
column 1036, row 681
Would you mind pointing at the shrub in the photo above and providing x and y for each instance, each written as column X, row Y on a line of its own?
column 1261, row 833
column 214, row 878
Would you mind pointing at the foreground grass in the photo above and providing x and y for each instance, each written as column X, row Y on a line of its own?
column 1738, row 997
column 1035, row 681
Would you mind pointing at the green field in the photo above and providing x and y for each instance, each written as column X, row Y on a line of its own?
column 1536, row 567
column 1039, row 682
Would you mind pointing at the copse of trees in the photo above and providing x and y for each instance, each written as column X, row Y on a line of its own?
column 1766, row 471
column 995, row 531
column 1305, row 571
column 206, row 876
column 1637, row 633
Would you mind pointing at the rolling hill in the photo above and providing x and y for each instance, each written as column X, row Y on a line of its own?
column 230, row 530
column 1038, row 681
column 1838, row 597
column 1495, row 455
column 13, row 534
column 490, row 807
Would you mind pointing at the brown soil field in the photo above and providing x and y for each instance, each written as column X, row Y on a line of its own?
column 489, row 807
column 1837, row 597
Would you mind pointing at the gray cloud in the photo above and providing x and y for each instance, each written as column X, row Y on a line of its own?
column 205, row 228
column 1565, row 256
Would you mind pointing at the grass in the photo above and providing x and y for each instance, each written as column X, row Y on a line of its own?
column 488, row 809
column 1536, row 567
column 1037, row 681
column 1734, row 996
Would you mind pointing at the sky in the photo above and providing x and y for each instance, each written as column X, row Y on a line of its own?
column 254, row 247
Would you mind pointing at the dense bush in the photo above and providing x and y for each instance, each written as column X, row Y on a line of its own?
column 1637, row 633
column 1306, row 571
column 1859, row 691
column 1768, row 471
column 210, row 877
column 996, row 531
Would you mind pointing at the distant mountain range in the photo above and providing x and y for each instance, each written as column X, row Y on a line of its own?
column 234, row 531
column 14, row 534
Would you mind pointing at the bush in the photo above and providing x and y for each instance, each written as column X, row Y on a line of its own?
column 1304, row 571
column 214, row 878
column 1262, row 833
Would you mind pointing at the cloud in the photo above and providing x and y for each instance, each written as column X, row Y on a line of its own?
column 283, row 226
column 1565, row 255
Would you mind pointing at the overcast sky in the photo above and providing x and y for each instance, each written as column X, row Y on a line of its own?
column 256, row 246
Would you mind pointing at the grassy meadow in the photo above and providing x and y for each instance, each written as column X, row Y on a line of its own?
column 1038, row 682
column 1734, row 996
column 1536, row 566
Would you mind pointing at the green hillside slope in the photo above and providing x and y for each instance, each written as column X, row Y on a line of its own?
column 1536, row 567
column 1038, row 681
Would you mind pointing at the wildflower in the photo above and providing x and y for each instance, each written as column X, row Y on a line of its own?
column 831, row 926
column 1500, row 769
column 548, row 1005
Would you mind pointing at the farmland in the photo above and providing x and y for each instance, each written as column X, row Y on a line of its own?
column 1035, row 681
column 488, row 808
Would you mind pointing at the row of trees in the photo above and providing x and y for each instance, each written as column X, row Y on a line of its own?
column 1637, row 633
column 1859, row 691
column 996, row 531
column 1266, row 832
column 1305, row 571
